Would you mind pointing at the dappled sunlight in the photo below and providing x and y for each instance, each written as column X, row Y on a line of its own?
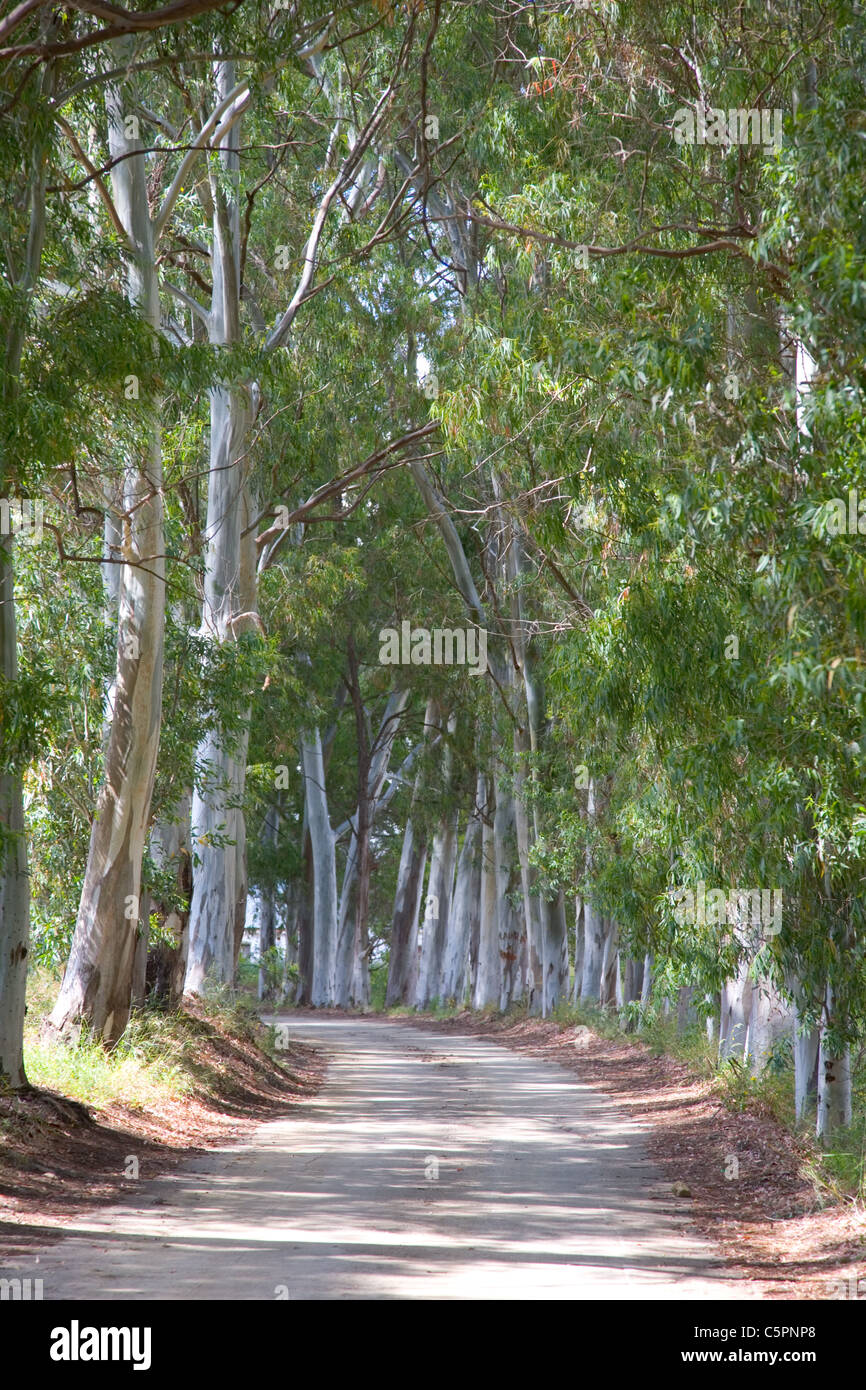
column 399, row 1181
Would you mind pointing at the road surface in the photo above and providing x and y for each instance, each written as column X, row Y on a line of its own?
column 428, row 1167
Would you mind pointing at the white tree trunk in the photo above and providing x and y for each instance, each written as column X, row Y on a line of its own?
column 436, row 913
column 768, row 1021
column 460, row 918
column 547, row 934
column 736, row 1008
column 97, row 985
column 594, row 927
column 579, row 948
column 834, row 1079
column 14, row 875
column 267, row 909
column 324, row 923
column 347, row 963
column 646, row 988
column 439, row 885
column 14, row 878
column 487, row 977
column 609, row 964
column 404, row 922
column 594, row 935
column 533, row 906
column 219, row 872
column 511, row 925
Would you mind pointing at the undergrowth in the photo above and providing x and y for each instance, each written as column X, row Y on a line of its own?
column 158, row 1058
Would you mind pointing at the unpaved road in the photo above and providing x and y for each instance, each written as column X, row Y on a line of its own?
column 428, row 1167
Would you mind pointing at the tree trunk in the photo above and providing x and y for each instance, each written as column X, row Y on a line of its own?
column 142, row 946
column 14, row 878
column 736, row 1007
column 834, row 1078
column 594, row 925
column 267, row 911
column 685, row 1009
column 219, row 873
column 14, row 874
column 353, row 967
column 547, row 933
column 646, row 988
column 404, row 922
column 434, row 929
column 593, row 953
column 440, row 883
column 533, row 906
column 487, row 978
column 305, row 921
column 510, row 927
column 610, row 957
column 806, row 1044
column 324, row 921
column 460, row 919
column 633, row 980
column 97, row 984
column 579, row 947
column 768, row 1021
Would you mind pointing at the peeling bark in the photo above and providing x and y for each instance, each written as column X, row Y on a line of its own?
column 97, row 984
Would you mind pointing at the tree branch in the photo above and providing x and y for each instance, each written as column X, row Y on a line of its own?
column 105, row 196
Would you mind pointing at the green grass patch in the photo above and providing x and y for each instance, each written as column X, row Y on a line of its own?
column 158, row 1057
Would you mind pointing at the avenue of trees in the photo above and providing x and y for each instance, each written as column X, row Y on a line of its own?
column 431, row 447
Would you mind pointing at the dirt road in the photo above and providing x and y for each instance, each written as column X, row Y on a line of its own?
column 429, row 1167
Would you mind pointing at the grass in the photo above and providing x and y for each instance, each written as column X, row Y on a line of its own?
column 155, row 1060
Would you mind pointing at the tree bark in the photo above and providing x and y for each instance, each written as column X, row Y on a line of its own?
column 594, row 927
column 14, row 873
column 14, row 877
column 806, row 1042
column 97, row 984
column 440, row 883
column 834, row 1077
column 267, row 912
column 736, row 1007
column 456, row 961
column 219, row 871
column 434, row 929
column 306, row 943
column 510, row 929
column 353, row 976
column 324, row 917
column 404, row 922
column 610, row 957
column 488, row 974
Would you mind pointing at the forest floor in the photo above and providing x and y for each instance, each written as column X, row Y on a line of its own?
column 775, row 1227
column 60, row 1157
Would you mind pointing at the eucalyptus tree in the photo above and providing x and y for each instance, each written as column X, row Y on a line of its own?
column 235, row 556
column 23, row 236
